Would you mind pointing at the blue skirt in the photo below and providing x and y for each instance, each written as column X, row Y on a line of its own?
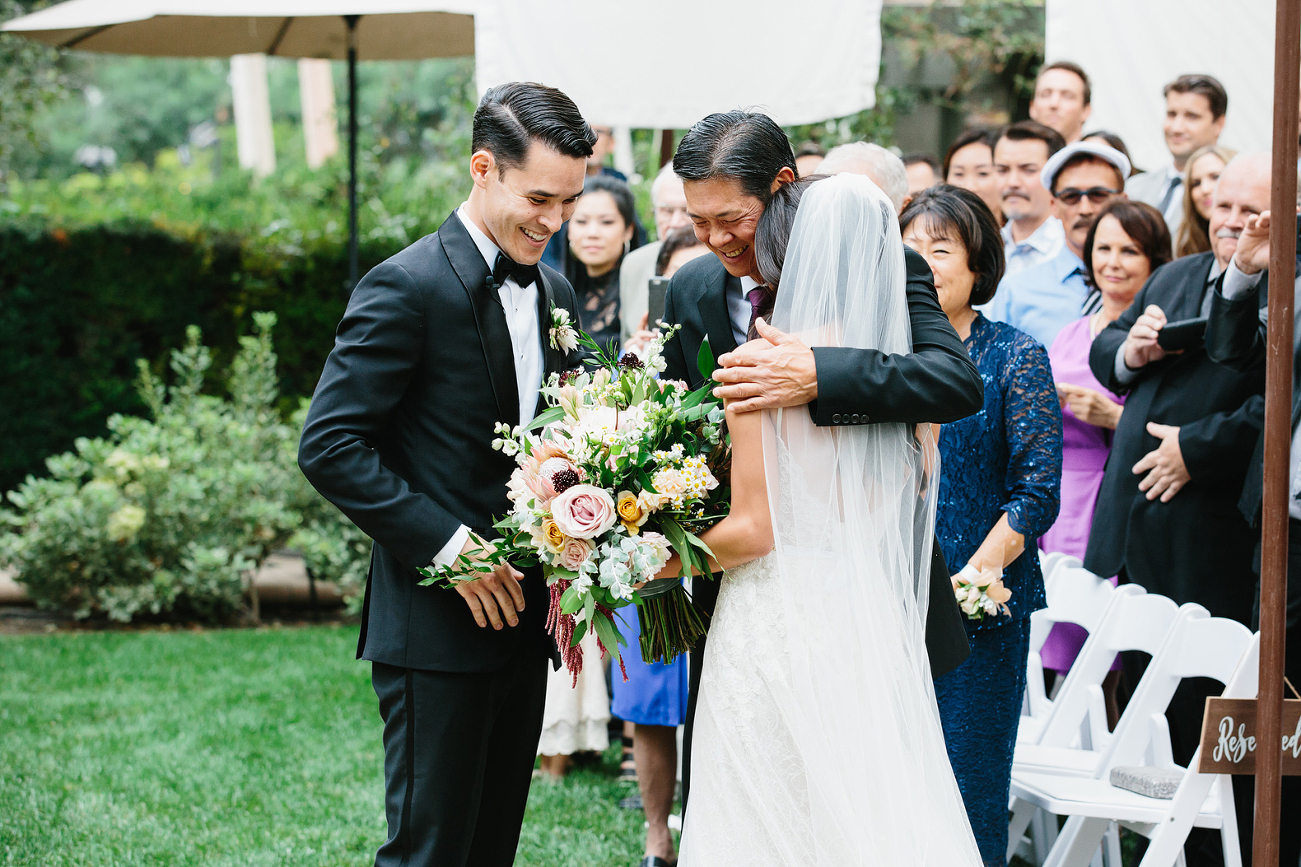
column 655, row 694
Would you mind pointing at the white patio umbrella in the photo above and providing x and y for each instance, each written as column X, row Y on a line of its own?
column 349, row 30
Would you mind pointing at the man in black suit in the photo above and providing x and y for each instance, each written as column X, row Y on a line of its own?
column 731, row 163
column 1235, row 336
column 438, row 345
column 1166, row 516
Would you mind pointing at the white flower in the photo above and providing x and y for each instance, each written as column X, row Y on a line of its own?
column 563, row 336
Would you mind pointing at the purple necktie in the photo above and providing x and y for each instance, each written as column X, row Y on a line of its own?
column 761, row 304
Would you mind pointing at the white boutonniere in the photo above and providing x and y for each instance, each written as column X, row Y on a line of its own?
column 563, row 336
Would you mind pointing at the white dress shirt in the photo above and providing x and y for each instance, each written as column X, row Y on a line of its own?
column 521, row 307
column 1161, row 187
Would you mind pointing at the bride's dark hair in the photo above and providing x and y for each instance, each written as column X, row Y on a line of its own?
column 773, row 231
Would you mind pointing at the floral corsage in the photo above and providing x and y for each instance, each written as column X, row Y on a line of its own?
column 981, row 592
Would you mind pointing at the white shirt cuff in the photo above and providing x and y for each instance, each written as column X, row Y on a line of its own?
column 1123, row 374
column 1236, row 284
column 449, row 552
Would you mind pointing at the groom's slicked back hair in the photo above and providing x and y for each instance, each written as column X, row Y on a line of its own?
column 511, row 116
column 745, row 146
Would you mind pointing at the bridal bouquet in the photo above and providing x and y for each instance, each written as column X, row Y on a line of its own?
column 619, row 471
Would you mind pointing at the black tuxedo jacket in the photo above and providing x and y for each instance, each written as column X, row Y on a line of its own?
column 398, row 437
column 1195, row 548
column 935, row 383
column 1235, row 336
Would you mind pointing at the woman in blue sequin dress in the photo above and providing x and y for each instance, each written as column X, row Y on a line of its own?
column 1000, row 479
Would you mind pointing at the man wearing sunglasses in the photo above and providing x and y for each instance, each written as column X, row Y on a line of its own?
column 1082, row 177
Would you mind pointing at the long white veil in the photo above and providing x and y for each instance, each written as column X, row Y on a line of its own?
column 846, row 761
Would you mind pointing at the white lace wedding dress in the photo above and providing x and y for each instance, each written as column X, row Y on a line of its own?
column 817, row 739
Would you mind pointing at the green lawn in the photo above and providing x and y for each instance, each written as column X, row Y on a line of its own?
column 228, row 747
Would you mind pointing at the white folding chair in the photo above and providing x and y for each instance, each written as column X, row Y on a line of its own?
column 1074, row 734
column 1076, row 596
column 1197, row 646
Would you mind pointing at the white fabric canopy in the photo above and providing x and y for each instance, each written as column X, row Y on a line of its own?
column 665, row 65
column 1132, row 50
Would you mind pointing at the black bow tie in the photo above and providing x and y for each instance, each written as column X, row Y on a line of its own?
column 507, row 268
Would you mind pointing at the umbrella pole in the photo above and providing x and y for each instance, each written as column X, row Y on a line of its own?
column 353, row 276
column 1278, row 434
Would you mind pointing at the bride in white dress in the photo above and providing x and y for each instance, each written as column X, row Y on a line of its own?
column 817, row 738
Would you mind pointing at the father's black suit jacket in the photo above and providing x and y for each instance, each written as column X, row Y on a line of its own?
column 1195, row 548
column 937, row 383
column 398, row 437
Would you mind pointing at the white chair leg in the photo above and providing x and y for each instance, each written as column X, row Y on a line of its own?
column 1166, row 848
column 1112, row 846
column 1229, row 830
column 1077, row 842
column 1022, row 813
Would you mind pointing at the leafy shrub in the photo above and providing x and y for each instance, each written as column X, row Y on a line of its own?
column 171, row 513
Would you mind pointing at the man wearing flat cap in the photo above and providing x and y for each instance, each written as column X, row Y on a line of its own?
column 1042, row 299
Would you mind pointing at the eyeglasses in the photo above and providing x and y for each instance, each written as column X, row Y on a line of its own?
column 1097, row 195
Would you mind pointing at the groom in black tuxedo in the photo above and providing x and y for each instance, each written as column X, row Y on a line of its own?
column 730, row 164
column 439, row 344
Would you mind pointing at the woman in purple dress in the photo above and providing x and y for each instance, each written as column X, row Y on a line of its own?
column 1129, row 240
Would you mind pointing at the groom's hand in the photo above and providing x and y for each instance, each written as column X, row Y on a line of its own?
column 495, row 598
column 775, row 370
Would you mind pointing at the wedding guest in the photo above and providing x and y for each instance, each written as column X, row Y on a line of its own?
column 1195, row 107
column 1062, row 99
column 554, row 255
column 1031, row 234
column 670, row 211
column 1236, row 336
column 1041, row 299
column 864, row 158
column 1128, row 241
column 601, row 152
column 969, row 164
column 1000, row 473
column 1110, row 139
column 923, row 172
column 807, row 157
column 601, row 231
column 1204, row 168
column 576, row 718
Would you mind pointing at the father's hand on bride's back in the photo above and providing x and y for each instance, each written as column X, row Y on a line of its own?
column 776, row 369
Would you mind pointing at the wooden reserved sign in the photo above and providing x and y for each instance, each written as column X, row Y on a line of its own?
column 1229, row 737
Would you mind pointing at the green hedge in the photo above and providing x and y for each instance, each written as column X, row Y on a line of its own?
column 78, row 306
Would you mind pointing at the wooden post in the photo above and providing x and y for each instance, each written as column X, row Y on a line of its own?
column 1278, row 428
column 666, row 148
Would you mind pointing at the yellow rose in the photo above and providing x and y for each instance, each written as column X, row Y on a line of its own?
column 630, row 512
column 552, row 537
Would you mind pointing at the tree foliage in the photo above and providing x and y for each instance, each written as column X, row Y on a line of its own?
column 32, row 78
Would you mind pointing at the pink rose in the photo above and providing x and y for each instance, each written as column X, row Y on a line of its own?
column 575, row 553
column 583, row 512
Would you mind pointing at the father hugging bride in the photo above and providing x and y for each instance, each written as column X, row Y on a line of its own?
column 815, row 735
